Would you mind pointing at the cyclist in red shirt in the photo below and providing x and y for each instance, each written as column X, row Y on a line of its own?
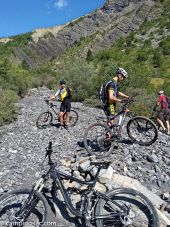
column 164, row 113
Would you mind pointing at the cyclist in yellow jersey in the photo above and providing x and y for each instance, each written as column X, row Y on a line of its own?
column 113, row 93
column 63, row 94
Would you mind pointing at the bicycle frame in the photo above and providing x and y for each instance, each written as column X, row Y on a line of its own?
column 122, row 116
column 51, row 108
column 57, row 177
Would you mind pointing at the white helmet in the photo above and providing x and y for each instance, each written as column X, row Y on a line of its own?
column 122, row 72
column 160, row 92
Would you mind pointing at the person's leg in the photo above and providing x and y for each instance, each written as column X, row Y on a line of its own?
column 160, row 119
column 168, row 127
column 67, row 119
column 62, row 107
column 112, row 112
column 167, row 120
column 108, row 114
column 161, row 124
column 68, row 108
column 61, row 119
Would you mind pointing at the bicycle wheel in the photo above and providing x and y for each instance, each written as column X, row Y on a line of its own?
column 34, row 214
column 44, row 120
column 98, row 139
column 142, row 131
column 73, row 118
column 126, row 207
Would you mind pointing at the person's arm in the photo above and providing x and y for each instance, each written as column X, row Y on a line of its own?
column 112, row 97
column 54, row 97
column 123, row 95
column 158, row 103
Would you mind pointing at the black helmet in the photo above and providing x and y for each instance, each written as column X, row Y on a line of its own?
column 62, row 82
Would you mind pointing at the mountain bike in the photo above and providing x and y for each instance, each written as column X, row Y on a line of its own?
column 46, row 118
column 98, row 137
column 117, row 207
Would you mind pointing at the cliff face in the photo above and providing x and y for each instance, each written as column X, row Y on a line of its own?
column 115, row 19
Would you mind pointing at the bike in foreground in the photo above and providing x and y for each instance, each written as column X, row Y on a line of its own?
column 117, row 207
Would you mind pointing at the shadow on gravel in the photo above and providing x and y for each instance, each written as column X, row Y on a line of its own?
column 80, row 144
column 126, row 141
column 65, row 219
column 55, row 125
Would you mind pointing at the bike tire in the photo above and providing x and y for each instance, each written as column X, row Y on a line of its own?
column 7, row 205
column 148, row 129
column 73, row 117
column 100, row 145
column 128, row 198
column 44, row 120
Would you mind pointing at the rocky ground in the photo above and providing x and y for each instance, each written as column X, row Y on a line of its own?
column 23, row 146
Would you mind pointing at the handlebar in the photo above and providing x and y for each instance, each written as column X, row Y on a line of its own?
column 47, row 101
column 49, row 151
column 128, row 101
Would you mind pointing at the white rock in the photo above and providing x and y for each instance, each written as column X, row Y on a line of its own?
column 106, row 175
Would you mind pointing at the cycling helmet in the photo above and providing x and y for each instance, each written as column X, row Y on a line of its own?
column 160, row 92
column 122, row 72
column 62, row 82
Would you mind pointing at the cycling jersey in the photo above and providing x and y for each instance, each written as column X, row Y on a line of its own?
column 163, row 101
column 63, row 94
column 113, row 87
column 110, row 107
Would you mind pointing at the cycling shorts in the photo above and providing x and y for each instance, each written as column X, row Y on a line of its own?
column 110, row 109
column 65, row 107
column 164, row 115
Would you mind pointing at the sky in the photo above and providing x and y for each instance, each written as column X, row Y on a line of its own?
column 21, row 16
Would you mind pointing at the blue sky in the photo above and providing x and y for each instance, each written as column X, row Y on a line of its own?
column 20, row 16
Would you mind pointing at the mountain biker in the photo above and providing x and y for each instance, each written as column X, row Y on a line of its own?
column 163, row 114
column 113, row 93
column 64, row 95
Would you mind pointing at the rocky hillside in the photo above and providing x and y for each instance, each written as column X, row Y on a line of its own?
column 23, row 148
column 104, row 26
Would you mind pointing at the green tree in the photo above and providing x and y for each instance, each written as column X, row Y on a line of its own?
column 89, row 55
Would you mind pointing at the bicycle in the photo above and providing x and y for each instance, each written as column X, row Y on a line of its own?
column 46, row 118
column 117, row 207
column 98, row 137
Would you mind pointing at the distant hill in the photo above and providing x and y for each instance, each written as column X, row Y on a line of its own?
column 105, row 25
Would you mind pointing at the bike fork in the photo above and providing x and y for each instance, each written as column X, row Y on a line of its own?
column 86, row 212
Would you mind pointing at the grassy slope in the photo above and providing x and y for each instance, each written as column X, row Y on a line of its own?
column 145, row 54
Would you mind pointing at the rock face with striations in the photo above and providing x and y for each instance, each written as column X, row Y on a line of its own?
column 104, row 25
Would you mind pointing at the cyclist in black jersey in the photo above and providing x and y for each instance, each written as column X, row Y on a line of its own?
column 113, row 92
column 64, row 95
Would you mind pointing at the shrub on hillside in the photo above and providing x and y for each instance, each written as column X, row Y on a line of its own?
column 165, row 45
column 7, row 106
column 144, row 102
column 141, row 56
column 157, row 60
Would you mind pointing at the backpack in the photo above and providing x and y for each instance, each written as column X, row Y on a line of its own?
column 168, row 103
column 103, row 92
column 69, row 92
